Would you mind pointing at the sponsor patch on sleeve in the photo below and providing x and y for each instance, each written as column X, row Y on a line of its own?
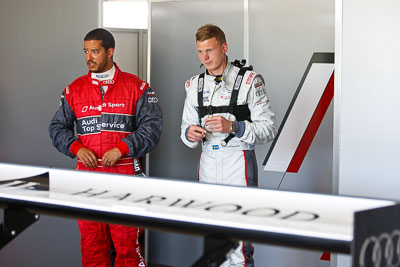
column 261, row 92
column 143, row 86
column 260, row 83
column 187, row 84
column 152, row 99
column 249, row 79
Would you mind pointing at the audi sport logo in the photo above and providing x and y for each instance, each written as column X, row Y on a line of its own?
column 383, row 250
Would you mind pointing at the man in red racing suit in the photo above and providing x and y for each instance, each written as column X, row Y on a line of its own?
column 117, row 119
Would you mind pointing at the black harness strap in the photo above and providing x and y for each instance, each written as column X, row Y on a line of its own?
column 236, row 87
column 241, row 112
column 200, row 87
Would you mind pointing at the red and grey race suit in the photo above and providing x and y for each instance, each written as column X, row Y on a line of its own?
column 126, row 116
column 233, row 163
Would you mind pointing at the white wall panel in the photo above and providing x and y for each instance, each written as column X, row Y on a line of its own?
column 366, row 109
column 369, row 108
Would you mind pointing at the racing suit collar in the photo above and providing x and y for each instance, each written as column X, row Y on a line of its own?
column 105, row 82
column 107, row 75
column 224, row 74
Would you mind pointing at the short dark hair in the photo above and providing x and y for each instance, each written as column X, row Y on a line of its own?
column 100, row 34
column 208, row 31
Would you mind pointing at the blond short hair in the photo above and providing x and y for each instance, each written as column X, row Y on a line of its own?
column 209, row 31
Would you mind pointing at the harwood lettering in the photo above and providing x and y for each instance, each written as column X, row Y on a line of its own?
column 221, row 206
column 149, row 199
column 88, row 193
column 188, row 204
column 257, row 212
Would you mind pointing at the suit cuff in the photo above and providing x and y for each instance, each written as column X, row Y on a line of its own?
column 75, row 146
column 123, row 148
column 186, row 133
column 241, row 128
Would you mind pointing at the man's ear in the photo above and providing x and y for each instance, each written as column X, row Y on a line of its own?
column 110, row 52
column 225, row 47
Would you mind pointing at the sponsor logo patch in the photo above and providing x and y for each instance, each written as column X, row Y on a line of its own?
column 143, row 86
column 136, row 166
column 201, row 84
column 261, row 101
column 112, row 126
column 261, row 92
column 116, row 105
column 107, row 82
column 250, row 78
column 86, row 108
column 102, row 76
column 238, row 82
column 152, row 99
column 258, row 84
column 88, row 125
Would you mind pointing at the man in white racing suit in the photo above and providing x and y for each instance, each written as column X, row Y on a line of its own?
column 226, row 111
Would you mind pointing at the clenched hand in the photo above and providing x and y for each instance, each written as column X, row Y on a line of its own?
column 88, row 157
column 111, row 157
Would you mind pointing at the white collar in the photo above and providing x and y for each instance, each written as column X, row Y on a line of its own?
column 107, row 75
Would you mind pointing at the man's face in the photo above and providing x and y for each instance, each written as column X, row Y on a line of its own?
column 97, row 58
column 212, row 55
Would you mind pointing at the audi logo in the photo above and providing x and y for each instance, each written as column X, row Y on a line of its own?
column 383, row 250
column 152, row 99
